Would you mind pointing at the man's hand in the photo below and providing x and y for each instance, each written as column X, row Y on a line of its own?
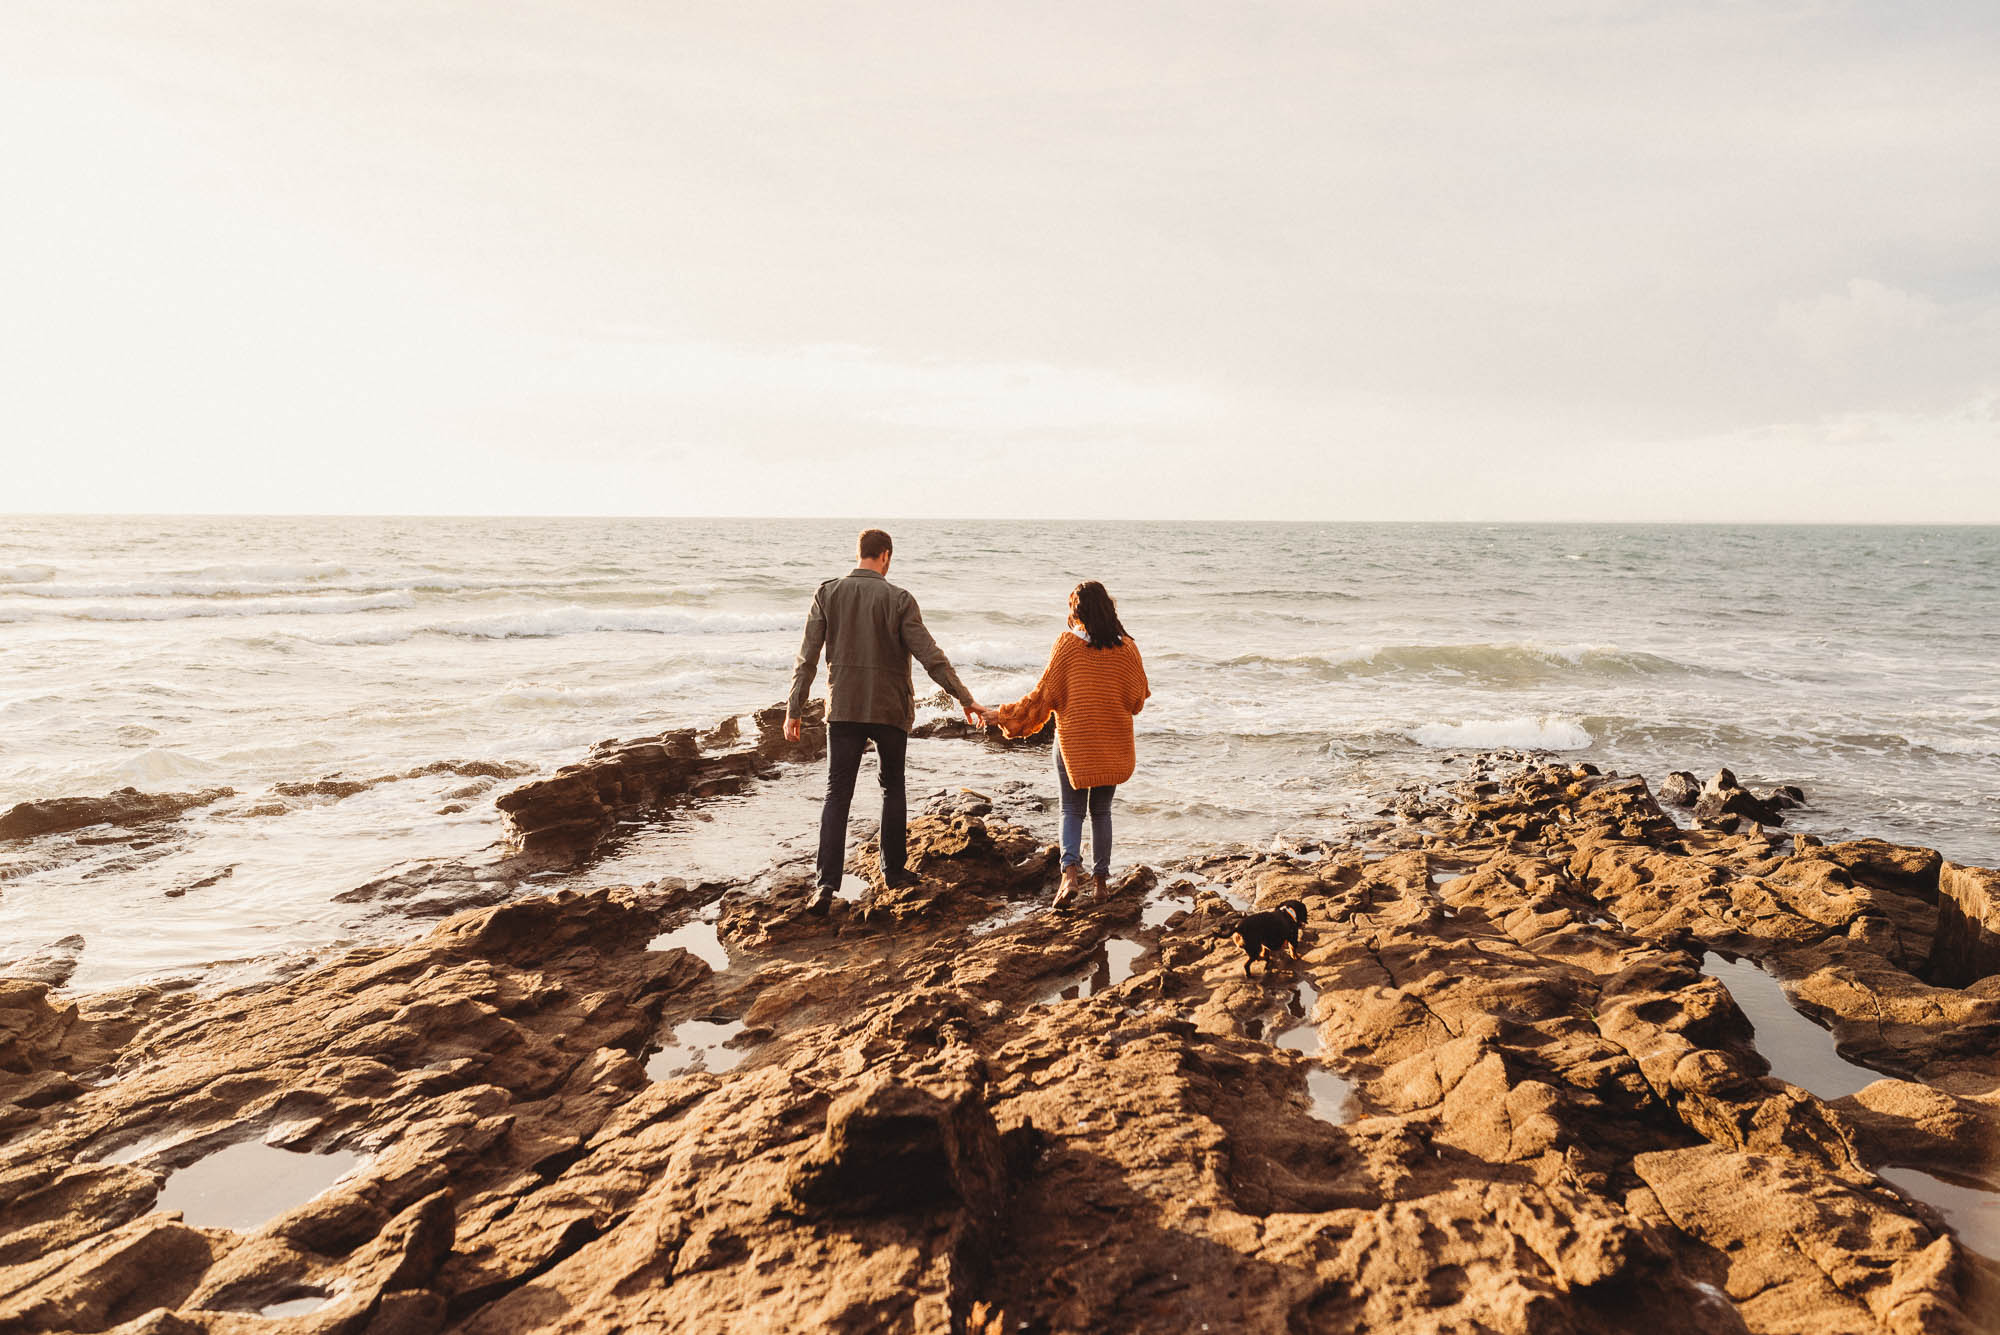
column 794, row 730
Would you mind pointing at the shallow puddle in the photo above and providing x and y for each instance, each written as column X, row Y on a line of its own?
column 1007, row 917
column 1332, row 1094
column 1169, row 898
column 1972, row 1212
column 245, row 1185
column 698, row 1044
column 1799, row 1051
column 1122, row 953
column 1160, row 906
column 1304, row 1035
column 311, row 1302
column 698, row 939
column 1109, row 965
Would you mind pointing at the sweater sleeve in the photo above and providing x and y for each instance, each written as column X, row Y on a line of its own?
column 1030, row 714
column 1138, row 690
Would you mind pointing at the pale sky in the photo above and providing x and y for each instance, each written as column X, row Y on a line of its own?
column 1245, row 260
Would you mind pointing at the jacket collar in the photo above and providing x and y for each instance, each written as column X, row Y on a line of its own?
column 865, row 573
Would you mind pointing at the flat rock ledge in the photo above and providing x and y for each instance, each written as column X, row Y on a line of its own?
column 961, row 1112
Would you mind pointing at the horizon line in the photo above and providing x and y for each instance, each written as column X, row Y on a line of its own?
column 998, row 519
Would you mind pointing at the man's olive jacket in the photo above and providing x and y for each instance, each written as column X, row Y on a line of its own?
column 870, row 630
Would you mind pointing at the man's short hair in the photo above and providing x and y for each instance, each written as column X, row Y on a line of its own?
column 874, row 543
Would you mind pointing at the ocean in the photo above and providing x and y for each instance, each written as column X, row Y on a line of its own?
column 1301, row 674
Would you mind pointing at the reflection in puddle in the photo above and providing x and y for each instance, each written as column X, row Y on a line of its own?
column 697, row 939
column 1304, row 1004
column 1160, row 907
column 1172, row 896
column 1799, row 1051
column 311, row 1302
column 1122, row 953
column 1972, row 1212
column 1109, row 965
column 249, row 1183
column 1332, row 1094
column 697, row 1044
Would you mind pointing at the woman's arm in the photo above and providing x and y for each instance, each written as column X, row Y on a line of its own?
column 1139, row 690
column 1030, row 714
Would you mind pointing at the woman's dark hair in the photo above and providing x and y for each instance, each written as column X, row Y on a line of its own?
column 1091, row 607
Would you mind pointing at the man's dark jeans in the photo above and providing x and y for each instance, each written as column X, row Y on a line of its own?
column 844, row 744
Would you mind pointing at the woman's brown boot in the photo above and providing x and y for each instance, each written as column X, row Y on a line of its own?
column 1072, row 884
column 1103, row 884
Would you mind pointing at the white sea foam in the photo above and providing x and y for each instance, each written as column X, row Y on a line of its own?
column 26, row 574
column 156, row 766
column 1968, row 745
column 1509, row 663
column 998, row 655
column 1549, row 732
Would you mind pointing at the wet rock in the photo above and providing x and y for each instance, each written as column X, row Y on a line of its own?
column 1680, row 789
column 126, row 807
column 1724, row 804
column 1967, row 946
column 52, row 964
column 569, row 813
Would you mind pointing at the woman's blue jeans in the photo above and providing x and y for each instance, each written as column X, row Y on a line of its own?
column 1074, row 801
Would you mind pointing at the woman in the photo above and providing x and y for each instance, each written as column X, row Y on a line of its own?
column 1094, row 684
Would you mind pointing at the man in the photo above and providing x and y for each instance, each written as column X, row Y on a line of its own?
column 871, row 630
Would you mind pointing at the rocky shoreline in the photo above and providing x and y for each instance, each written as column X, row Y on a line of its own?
column 1503, row 1088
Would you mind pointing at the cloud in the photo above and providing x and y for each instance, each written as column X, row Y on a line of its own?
column 1862, row 315
column 1275, row 255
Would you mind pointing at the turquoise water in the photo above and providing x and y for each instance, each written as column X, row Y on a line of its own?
column 1300, row 672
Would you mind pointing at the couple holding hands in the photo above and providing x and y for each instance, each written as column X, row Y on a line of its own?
column 870, row 629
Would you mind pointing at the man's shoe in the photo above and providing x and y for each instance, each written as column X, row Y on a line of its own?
column 902, row 880
column 821, row 900
column 1072, row 885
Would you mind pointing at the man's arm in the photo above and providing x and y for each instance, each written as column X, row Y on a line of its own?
column 806, row 666
column 917, row 639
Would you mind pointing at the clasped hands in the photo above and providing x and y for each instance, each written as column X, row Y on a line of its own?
column 979, row 716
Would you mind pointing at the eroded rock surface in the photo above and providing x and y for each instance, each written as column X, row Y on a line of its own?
column 568, row 813
column 949, row 1110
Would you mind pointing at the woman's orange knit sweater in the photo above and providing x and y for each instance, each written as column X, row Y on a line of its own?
column 1093, row 693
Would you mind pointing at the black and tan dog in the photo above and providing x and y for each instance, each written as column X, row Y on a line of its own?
column 1262, row 933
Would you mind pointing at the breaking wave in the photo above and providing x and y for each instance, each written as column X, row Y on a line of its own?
column 1549, row 732
column 324, row 606
column 1510, row 664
